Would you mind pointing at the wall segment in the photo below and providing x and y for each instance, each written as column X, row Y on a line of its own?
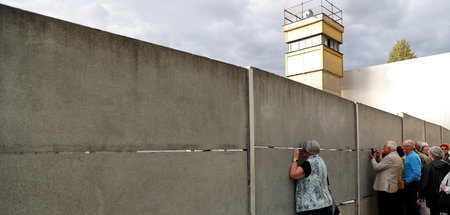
column 66, row 89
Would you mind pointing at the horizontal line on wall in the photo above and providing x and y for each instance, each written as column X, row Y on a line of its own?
column 290, row 148
column 129, row 151
column 373, row 195
column 347, row 202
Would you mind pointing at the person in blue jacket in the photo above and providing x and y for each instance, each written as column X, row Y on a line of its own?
column 411, row 177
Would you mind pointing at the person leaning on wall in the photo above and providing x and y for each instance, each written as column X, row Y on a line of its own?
column 430, row 181
column 312, row 195
column 387, row 165
column 410, row 176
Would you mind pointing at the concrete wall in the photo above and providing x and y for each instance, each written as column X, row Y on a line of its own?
column 99, row 91
column 66, row 89
column 413, row 128
column 286, row 114
column 124, row 183
column 433, row 134
column 375, row 128
column 445, row 135
column 97, row 123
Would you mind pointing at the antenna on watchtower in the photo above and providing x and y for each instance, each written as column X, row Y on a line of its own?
column 308, row 14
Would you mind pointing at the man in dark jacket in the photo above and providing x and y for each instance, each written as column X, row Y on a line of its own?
column 432, row 175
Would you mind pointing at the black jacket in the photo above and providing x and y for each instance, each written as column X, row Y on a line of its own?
column 430, row 181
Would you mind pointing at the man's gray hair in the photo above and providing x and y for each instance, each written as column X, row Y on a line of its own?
column 436, row 152
column 311, row 147
column 409, row 142
column 421, row 145
column 391, row 145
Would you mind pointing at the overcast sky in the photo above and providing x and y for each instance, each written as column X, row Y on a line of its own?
column 249, row 32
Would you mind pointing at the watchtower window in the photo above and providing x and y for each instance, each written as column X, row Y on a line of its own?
column 305, row 43
column 333, row 44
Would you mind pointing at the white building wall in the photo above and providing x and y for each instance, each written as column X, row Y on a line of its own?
column 419, row 87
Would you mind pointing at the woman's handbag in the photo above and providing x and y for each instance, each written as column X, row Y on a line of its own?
column 335, row 209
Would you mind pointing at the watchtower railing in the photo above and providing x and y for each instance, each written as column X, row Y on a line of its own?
column 297, row 12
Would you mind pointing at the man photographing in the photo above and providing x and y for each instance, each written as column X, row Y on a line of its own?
column 387, row 166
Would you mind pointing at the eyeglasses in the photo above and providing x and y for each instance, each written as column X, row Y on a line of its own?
column 406, row 146
column 444, row 149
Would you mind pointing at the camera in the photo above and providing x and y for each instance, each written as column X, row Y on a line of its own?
column 372, row 151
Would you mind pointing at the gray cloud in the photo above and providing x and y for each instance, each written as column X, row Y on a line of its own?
column 249, row 32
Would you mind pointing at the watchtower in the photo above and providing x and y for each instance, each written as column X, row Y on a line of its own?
column 313, row 31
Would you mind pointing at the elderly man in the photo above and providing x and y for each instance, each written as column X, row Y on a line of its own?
column 424, row 159
column 411, row 176
column 386, row 183
column 425, row 150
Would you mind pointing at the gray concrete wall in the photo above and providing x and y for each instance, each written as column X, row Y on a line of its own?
column 124, row 183
column 413, row 128
column 445, row 135
column 286, row 114
column 433, row 134
column 369, row 206
column 375, row 128
column 138, row 108
column 66, row 87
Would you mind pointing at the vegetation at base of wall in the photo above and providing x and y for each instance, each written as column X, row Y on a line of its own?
column 401, row 51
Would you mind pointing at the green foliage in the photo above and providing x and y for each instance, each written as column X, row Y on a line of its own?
column 401, row 51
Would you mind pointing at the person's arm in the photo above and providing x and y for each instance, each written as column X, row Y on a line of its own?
column 296, row 171
column 444, row 187
column 382, row 165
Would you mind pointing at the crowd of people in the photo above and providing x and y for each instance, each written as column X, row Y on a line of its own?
column 412, row 179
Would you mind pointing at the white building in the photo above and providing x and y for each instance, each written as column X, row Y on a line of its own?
column 419, row 87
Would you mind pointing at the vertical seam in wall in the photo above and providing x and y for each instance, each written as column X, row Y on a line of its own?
column 252, row 140
column 425, row 130
column 403, row 128
column 358, row 177
column 442, row 136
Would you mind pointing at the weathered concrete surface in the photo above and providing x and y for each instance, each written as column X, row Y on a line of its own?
column 288, row 113
column 347, row 209
column 124, row 183
column 274, row 189
column 375, row 128
column 341, row 166
column 272, row 177
column 413, row 128
column 369, row 205
column 432, row 134
column 66, row 87
column 445, row 135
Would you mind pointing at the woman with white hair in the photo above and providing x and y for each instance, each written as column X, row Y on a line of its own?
column 312, row 195
column 432, row 175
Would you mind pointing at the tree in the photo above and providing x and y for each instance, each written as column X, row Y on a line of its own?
column 401, row 51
